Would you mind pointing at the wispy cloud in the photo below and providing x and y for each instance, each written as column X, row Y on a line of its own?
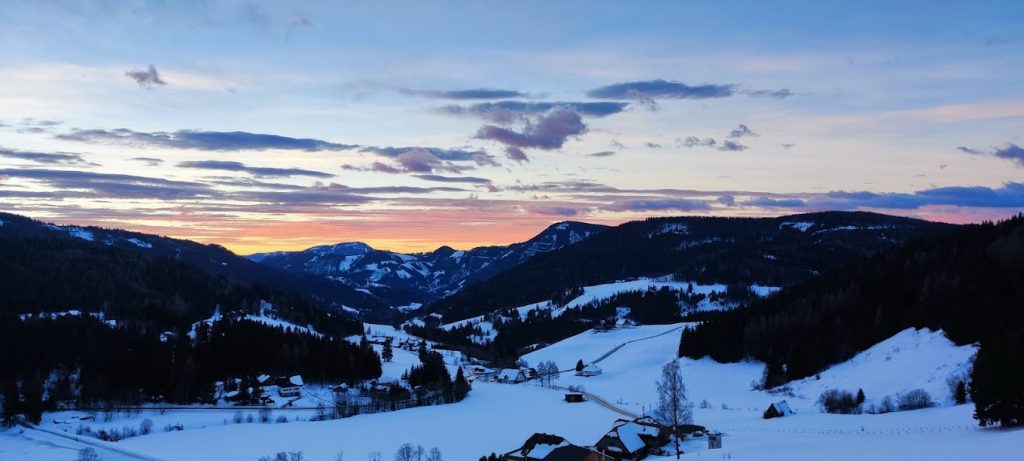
column 550, row 131
column 52, row 158
column 741, row 131
column 769, row 202
column 203, row 140
column 505, row 112
column 1008, row 151
column 148, row 161
column 146, row 78
column 771, row 94
column 517, row 154
column 665, row 204
column 662, row 89
column 473, row 93
column 453, row 179
column 426, row 160
column 261, row 172
column 731, row 146
column 107, row 185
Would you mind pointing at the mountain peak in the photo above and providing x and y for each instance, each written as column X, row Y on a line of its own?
column 342, row 249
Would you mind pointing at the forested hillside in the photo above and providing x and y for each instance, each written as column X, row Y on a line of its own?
column 88, row 323
column 771, row 251
column 969, row 284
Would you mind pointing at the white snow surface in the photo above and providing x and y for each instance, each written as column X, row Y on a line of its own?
column 139, row 243
column 499, row 417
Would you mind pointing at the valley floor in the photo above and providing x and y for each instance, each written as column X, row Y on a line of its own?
column 499, row 417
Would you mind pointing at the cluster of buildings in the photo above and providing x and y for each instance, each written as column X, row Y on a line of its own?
column 518, row 375
column 287, row 387
column 628, row 440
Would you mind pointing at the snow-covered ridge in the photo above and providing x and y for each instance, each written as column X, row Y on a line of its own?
column 800, row 226
column 266, row 316
column 597, row 293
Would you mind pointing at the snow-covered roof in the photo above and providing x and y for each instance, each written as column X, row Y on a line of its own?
column 591, row 368
column 296, row 380
column 509, row 373
column 263, row 378
column 782, row 407
column 629, row 434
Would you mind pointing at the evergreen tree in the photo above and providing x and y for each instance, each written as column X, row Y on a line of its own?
column 960, row 395
column 12, row 400
column 461, row 385
column 860, row 397
column 579, row 365
column 33, row 405
column 387, row 354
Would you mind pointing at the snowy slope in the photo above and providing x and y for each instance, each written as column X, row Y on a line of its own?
column 909, row 360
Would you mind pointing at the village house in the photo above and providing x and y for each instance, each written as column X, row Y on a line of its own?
column 574, row 397
column 633, row 439
column 476, row 372
column 589, row 370
column 511, row 376
column 289, row 387
column 548, row 447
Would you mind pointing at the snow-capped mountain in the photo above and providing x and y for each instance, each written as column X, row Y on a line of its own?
column 410, row 280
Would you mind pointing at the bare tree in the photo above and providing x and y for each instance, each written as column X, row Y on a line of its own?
column 405, row 453
column 418, row 452
column 673, row 409
column 435, row 455
column 547, row 372
column 374, row 456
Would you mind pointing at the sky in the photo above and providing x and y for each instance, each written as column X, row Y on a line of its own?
column 266, row 126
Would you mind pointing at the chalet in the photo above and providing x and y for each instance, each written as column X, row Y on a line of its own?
column 511, row 376
column 589, row 370
column 777, row 410
column 574, row 397
column 547, row 447
column 289, row 387
column 633, row 439
column 476, row 372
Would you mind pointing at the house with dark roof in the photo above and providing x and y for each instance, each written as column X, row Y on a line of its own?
column 289, row 387
column 549, row 447
column 633, row 439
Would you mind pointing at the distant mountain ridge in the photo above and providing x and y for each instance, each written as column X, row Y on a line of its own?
column 778, row 251
column 410, row 280
column 210, row 258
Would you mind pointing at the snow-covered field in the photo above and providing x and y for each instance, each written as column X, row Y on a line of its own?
column 499, row 417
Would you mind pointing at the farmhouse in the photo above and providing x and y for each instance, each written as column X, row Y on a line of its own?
column 589, row 370
column 511, row 376
column 289, row 387
column 633, row 440
column 547, row 447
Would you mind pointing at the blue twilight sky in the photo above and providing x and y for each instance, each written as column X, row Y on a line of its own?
column 279, row 125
